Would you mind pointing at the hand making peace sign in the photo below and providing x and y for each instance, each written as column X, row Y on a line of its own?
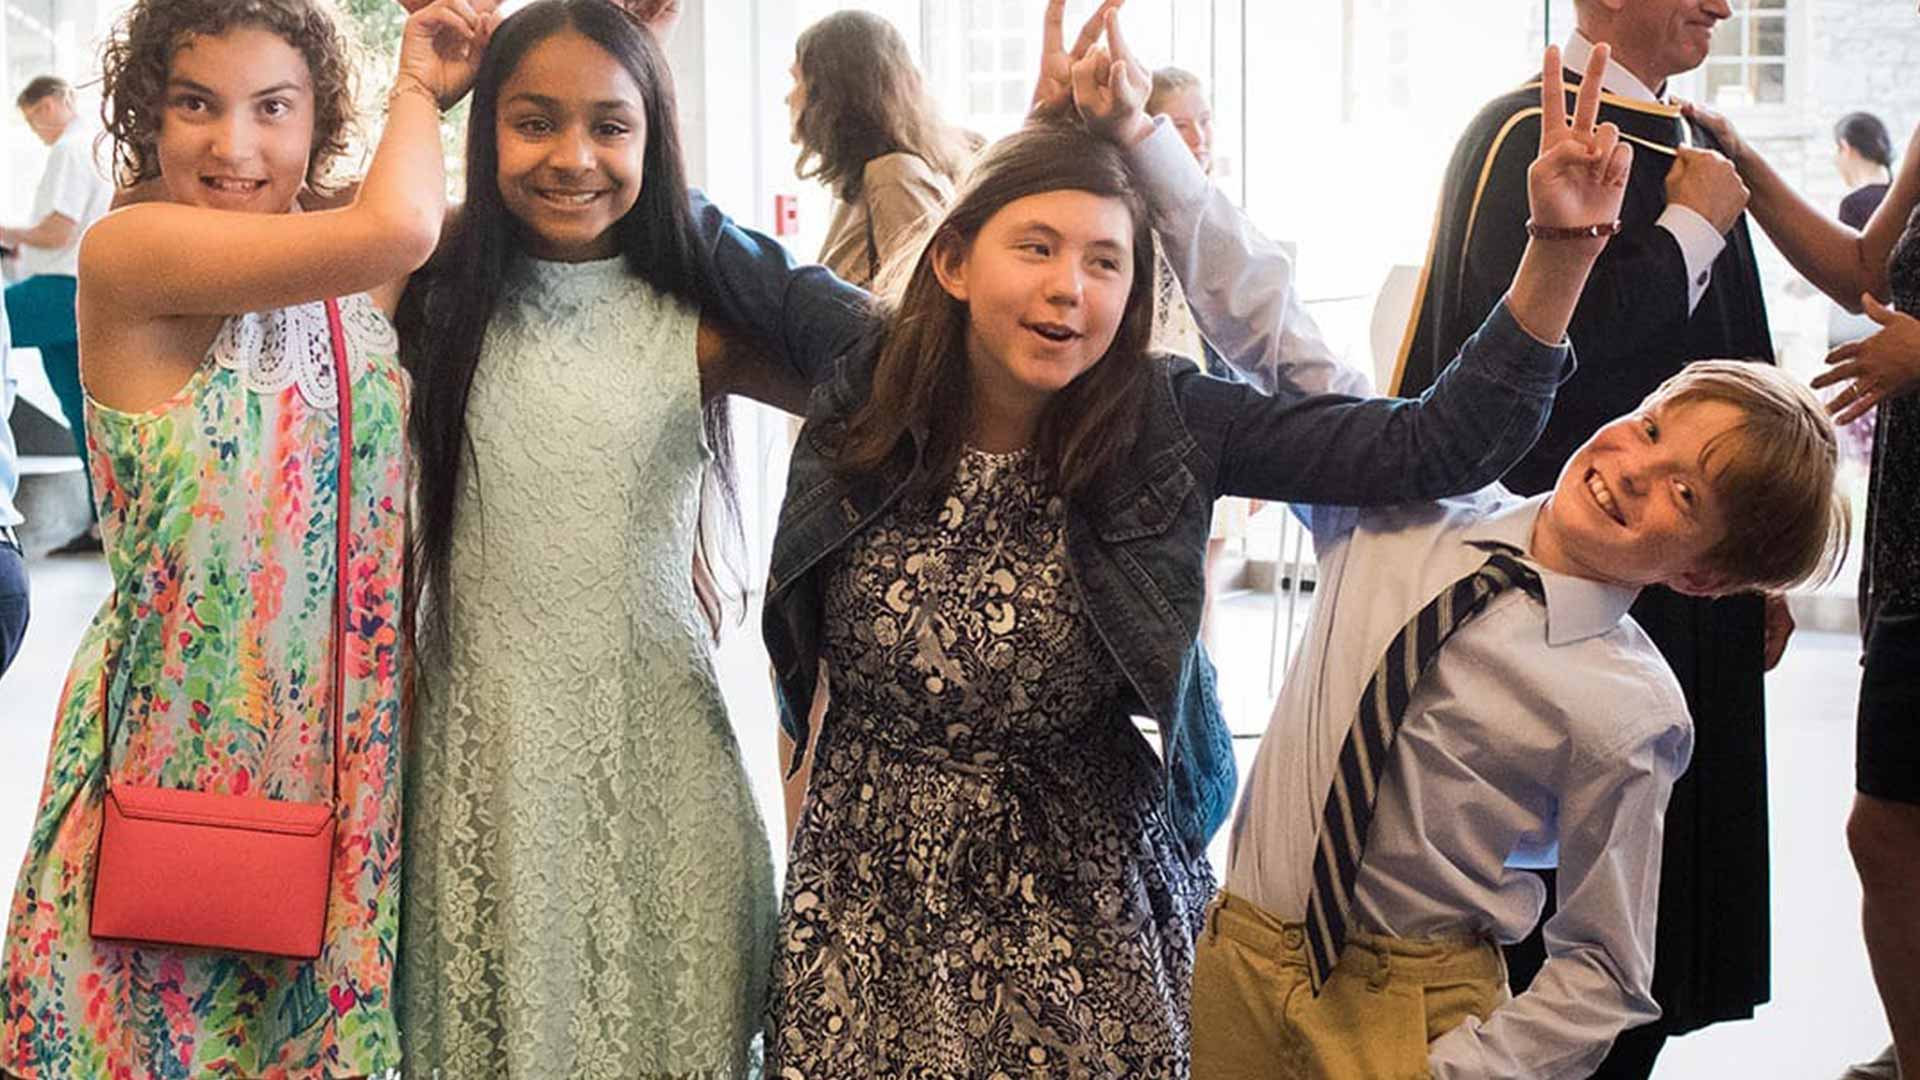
column 1580, row 174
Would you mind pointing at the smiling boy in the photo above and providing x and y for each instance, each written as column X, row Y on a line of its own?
column 1472, row 699
column 1394, row 801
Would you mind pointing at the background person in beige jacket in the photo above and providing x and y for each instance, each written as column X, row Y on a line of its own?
column 868, row 130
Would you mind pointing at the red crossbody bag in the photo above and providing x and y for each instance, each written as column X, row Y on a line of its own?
column 231, row 872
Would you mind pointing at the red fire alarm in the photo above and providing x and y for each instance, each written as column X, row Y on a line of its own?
column 786, row 215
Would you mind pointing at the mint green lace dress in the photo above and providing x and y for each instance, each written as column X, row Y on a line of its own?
column 588, row 886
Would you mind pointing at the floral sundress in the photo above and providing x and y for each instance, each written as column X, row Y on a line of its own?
column 214, row 658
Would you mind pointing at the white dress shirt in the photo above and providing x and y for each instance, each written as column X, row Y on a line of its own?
column 1700, row 243
column 1543, row 734
column 9, row 460
column 1242, row 289
column 71, row 185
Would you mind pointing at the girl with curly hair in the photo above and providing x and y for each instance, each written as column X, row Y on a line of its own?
column 209, row 324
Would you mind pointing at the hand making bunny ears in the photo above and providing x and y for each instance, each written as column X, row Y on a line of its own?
column 1111, row 87
column 443, row 43
column 1054, row 90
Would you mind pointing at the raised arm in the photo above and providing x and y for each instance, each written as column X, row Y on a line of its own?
column 161, row 259
column 1577, row 179
column 1488, row 406
column 1842, row 262
column 1478, row 418
column 1241, row 286
column 803, row 316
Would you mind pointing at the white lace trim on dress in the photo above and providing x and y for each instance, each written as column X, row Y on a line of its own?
column 291, row 346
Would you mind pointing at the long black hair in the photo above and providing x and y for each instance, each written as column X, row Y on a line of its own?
column 444, row 315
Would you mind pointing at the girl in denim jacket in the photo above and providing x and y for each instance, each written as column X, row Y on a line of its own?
column 992, row 543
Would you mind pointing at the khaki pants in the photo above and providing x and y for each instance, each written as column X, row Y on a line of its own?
column 1255, row 1017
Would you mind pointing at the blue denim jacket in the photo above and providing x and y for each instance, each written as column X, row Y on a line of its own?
column 1136, row 541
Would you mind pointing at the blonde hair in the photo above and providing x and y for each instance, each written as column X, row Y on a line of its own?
column 1167, row 82
column 1787, row 524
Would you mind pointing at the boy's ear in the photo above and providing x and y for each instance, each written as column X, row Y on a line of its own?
column 950, row 266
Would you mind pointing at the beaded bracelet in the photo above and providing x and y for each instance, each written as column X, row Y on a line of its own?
column 1572, row 232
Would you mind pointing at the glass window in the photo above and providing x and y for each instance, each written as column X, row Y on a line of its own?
column 1350, row 113
column 1748, row 64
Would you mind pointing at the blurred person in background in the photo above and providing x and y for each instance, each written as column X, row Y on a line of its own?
column 868, row 130
column 42, row 264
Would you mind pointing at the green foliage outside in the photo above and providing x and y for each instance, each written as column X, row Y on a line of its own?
column 376, row 26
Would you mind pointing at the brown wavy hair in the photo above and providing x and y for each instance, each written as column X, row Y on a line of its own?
column 920, row 378
column 138, row 57
column 865, row 99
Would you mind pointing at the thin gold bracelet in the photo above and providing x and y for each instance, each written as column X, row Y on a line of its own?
column 413, row 86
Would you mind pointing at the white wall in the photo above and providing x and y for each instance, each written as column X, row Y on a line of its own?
column 730, row 60
column 72, row 38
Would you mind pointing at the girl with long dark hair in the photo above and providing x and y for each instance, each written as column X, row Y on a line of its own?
column 589, row 888
column 993, row 535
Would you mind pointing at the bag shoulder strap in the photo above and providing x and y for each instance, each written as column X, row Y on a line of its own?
column 343, row 513
column 113, row 691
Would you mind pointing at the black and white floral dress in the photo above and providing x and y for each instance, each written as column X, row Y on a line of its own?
column 982, row 883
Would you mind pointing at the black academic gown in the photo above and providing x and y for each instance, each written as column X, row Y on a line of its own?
column 1631, row 331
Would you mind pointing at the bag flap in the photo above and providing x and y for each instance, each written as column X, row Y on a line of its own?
column 181, row 807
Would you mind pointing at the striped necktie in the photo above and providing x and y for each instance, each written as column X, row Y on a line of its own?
column 1363, row 756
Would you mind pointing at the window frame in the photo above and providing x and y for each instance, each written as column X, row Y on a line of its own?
column 1790, row 117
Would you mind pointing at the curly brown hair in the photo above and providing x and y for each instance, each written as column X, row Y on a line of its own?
column 138, row 56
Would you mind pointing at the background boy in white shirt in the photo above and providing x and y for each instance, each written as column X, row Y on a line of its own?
column 42, row 264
